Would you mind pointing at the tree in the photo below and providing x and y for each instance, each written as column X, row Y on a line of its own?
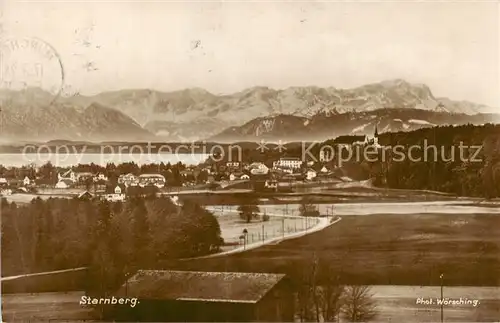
column 141, row 235
column 48, row 172
column 42, row 230
column 358, row 304
column 213, row 186
column 205, row 235
column 202, row 177
column 307, row 208
column 319, row 294
column 305, row 290
column 330, row 293
column 249, row 209
column 88, row 183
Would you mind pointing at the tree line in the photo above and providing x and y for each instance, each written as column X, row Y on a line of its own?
column 442, row 169
column 477, row 175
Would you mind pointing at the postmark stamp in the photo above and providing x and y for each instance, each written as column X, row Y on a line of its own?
column 28, row 63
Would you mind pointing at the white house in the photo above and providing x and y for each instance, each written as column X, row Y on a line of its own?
column 100, row 178
column 3, row 181
column 232, row 177
column 310, row 174
column 128, row 180
column 152, row 179
column 288, row 162
column 271, row 184
column 69, row 175
column 258, row 169
column 64, row 183
column 26, row 181
column 115, row 194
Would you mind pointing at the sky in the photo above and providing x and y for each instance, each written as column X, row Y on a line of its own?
column 453, row 47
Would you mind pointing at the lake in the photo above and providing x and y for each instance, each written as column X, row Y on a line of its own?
column 71, row 159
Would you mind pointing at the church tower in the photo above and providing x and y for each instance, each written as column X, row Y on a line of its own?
column 375, row 136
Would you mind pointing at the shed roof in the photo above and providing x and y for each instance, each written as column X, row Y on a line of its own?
column 200, row 286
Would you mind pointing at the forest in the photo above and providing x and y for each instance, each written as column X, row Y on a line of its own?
column 112, row 239
column 443, row 169
column 477, row 176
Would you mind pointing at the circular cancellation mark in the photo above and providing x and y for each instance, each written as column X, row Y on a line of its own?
column 32, row 65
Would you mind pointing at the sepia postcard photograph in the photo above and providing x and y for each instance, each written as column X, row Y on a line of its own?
column 250, row 161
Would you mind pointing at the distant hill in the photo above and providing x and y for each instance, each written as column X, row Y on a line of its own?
column 322, row 126
column 32, row 116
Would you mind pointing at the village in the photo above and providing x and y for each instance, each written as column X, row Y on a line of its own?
column 284, row 172
column 116, row 182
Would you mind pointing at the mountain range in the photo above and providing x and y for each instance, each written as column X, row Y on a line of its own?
column 323, row 126
column 311, row 113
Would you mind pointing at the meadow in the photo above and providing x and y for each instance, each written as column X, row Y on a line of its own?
column 385, row 249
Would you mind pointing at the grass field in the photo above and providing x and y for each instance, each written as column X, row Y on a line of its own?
column 399, row 304
column 409, row 249
column 23, row 198
column 232, row 227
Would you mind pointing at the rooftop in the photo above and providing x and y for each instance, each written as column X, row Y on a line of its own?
column 151, row 175
column 200, row 286
column 66, row 181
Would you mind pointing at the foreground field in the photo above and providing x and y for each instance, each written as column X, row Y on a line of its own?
column 399, row 304
column 409, row 249
column 394, row 304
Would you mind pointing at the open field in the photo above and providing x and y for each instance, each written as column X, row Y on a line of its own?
column 382, row 207
column 385, row 249
column 399, row 304
column 232, row 227
column 24, row 198
column 357, row 193
column 328, row 192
